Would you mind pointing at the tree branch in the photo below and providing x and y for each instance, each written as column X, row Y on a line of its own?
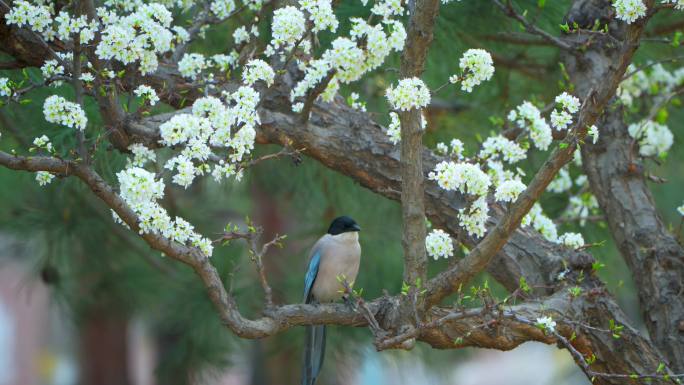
column 419, row 37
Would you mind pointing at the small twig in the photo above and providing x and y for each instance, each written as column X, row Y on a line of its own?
column 531, row 28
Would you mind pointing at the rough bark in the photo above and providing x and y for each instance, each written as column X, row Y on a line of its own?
column 616, row 177
column 414, row 230
column 654, row 257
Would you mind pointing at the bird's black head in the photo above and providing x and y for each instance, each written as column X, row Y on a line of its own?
column 343, row 224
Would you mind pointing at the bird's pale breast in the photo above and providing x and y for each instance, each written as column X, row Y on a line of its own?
column 340, row 257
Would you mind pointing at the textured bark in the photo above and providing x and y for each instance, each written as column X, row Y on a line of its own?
column 652, row 253
column 414, row 231
column 616, row 177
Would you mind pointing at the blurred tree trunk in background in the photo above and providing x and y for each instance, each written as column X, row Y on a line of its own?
column 103, row 346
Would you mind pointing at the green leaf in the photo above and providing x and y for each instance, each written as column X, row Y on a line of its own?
column 565, row 27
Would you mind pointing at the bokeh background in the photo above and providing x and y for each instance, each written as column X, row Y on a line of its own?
column 83, row 301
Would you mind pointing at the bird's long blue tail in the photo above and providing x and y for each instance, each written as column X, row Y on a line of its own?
column 314, row 352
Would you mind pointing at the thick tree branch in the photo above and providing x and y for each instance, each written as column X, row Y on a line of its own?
column 414, row 231
column 652, row 253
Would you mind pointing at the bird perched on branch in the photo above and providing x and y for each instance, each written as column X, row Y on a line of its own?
column 333, row 259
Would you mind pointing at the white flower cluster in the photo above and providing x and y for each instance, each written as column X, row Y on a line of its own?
column 43, row 142
column 68, row 27
column 464, row 177
column 495, row 146
column 541, row 223
column 680, row 210
column 679, row 4
column 58, row 110
column 477, row 67
column 147, row 93
column 394, row 128
column 561, row 183
column 571, row 240
column 222, row 8
column 5, row 89
column 350, row 58
column 408, row 94
column 51, row 68
column 438, row 244
column 388, row 8
column 141, row 155
column 527, row 116
column 288, row 27
column 257, row 69
column 211, row 124
column 355, row 103
column 138, row 37
column 581, row 206
column 562, row 118
column 508, row 191
column 242, row 35
column 629, row 10
column 141, row 191
column 654, row 80
column 321, row 14
column 36, row 17
column 655, row 139
column 546, row 324
column 44, row 178
column 192, row 64
column 593, row 133
column 474, row 218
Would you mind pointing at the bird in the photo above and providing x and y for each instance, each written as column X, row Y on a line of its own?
column 336, row 255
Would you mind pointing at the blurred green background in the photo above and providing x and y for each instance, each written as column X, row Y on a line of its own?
column 102, row 278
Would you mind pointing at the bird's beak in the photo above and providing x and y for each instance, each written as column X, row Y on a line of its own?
column 356, row 227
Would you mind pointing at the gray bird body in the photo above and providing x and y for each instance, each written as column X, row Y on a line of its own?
column 340, row 257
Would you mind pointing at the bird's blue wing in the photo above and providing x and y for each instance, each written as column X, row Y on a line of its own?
column 311, row 274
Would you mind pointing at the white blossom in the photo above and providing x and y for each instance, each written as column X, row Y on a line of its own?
column 629, row 10
column 321, row 14
column 43, row 142
column 561, row 183
column 547, row 324
column 495, row 146
column 680, row 209
column 408, row 94
column 222, row 8
column 141, row 155
column 509, row 190
column 44, row 178
column 257, row 69
column 477, row 67
column 527, row 116
column 147, row 93
column 571, row 240
column 568, row 102
column 474, row 217
column 288, row 26
column 653, row 138
column 464, row 177
column 58, row 110
column 191, row 65
column 679, row 4
column 394, row 128
column 5, row 89
column 593, row 133
column 439, row 244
